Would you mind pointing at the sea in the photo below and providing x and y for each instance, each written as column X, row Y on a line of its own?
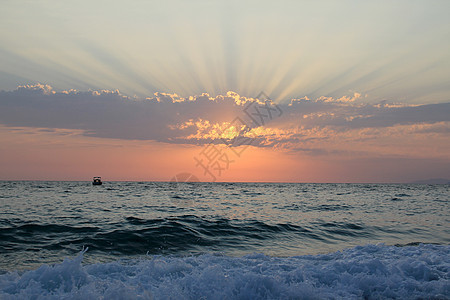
column 169, row 240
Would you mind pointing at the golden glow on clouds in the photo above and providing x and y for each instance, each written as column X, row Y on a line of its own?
column 208, row 131
column 321, row 140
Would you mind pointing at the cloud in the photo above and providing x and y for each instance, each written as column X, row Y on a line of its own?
column 110, row 114
column 299, row 125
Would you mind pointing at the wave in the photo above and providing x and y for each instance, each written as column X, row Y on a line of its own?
column 171, row 235
column 369, row 272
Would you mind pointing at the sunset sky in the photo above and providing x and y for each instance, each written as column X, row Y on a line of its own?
column 358, row 91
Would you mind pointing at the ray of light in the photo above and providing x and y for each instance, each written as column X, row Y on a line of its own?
column 288, row 50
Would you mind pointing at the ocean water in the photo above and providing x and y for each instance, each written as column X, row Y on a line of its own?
column 154, row 240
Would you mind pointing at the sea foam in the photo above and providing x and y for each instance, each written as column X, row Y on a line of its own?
column 371, row 272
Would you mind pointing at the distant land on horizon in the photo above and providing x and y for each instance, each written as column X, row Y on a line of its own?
column 432, row 181
column 423, row 181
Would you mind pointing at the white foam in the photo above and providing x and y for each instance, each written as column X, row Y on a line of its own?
column 372, row 271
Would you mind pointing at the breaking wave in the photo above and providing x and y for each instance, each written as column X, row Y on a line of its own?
column 370, row 272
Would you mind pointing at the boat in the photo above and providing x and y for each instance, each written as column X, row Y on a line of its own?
column 97, row 181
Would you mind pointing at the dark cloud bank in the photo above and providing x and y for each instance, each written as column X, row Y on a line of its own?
column 168, row 118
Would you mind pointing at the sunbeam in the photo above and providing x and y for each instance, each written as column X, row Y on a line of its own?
column 292, row 50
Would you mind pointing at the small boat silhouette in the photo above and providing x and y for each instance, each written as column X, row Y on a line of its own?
column 97, row 181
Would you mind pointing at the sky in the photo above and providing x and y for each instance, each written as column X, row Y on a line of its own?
column 284, row 91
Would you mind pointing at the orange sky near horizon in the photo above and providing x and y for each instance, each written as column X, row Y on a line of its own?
column 66, row 155
column 40, row 154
